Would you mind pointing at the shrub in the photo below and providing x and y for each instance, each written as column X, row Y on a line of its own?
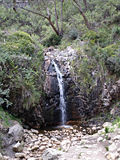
column 20, row 74
column 73, row 34
column 19, row 43
column 52, row 40
column 109, row 50
column 113, row 64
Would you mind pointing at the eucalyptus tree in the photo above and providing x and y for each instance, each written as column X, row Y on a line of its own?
column 50, row 10
column 77, row 4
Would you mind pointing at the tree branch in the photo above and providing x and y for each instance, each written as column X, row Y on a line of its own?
column 28, row 10
column 82, row 13
column 48, row 18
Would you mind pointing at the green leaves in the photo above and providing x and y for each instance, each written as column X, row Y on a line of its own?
column 4, row 94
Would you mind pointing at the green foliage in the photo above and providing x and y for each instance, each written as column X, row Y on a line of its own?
column 73, row 34
column 107, row 148
column 20, row 35
column 91, row 35
column 5, row 118
column 19, row 43
column 106, row 130
column 4, row 95
column 83, row 67
column 102, row 37
column 21, row 71
column 52, row 40
column 117, row 121
column 109, row 50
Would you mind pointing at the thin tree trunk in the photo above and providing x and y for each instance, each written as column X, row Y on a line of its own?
column 83, row 15
column 85, row 3
column 56, row 16
column 61, row 31
column 52, row 25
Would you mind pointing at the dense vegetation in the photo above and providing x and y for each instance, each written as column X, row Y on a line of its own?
column 25, row 29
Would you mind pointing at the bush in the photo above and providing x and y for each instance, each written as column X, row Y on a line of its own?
column 52, row 40
column 108, row 51
column 73, row 34
column 91, row 35
column 19, row 43
column 20, row 74
column 102, row 37
column 113, row 64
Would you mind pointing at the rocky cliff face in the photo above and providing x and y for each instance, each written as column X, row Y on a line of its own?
column 80, row 106
column 73, row 102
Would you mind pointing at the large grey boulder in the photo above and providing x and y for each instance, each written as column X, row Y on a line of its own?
column 51, row 154
column 16, row 132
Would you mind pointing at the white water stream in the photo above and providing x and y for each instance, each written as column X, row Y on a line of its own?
column 61, row 89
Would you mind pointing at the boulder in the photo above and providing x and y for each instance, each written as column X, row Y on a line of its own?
column 16, row 132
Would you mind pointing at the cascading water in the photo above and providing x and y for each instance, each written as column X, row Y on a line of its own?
column 61, row 89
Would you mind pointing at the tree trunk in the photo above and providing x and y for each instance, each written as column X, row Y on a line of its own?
column 61, row 31
column 82, row 13
column 52, row 25
column 85, row 3
column 45, row 17
column 56, row 16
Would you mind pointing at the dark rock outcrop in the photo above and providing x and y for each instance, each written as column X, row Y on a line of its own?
column 80, row 105
column 75, row 105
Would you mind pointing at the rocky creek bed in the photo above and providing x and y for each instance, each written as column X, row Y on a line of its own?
column 72, row 143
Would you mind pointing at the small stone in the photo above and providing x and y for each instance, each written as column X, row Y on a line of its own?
column 101, row 131
column 34, row 147
column 18, row 147
column 94, row 128
column 32, row 158
column 42, row 148
column 34, row 131
column 118, row 150
column 116, row 137
column 107, row 124
column 50, row 154
column 112, row 156
column 100, row 139
column 65, row 145
column 19, row 155
column 112, row 147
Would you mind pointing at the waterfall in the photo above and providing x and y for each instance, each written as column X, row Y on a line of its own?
column 61, row 89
